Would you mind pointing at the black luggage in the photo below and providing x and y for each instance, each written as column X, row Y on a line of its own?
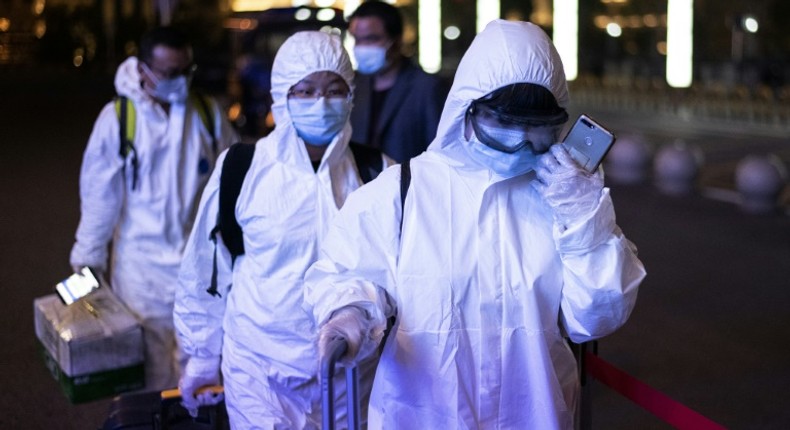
column 162, row 410
column 336, row 350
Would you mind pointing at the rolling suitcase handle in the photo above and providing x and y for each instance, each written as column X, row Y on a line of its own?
column 336, row 350
column 209, row 417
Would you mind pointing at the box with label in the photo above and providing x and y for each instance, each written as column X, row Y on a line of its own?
column 93, row 347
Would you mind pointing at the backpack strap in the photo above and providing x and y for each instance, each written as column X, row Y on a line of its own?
column 369, row 161
column 405, row 181
column 127, row 121
column 234, row 169
column 204, row 111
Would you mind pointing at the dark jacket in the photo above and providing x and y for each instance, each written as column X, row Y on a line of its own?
column 409, row 115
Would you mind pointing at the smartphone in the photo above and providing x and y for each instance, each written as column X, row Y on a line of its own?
column 588, row 142
column 77, row 285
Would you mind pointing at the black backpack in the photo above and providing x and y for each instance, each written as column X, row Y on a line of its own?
column 237, row 162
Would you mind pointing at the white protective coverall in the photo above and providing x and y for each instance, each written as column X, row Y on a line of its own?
column 266, row 339
column 485, row 285
column 148, row 225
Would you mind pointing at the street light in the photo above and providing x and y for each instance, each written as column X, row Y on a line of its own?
column 680, row 46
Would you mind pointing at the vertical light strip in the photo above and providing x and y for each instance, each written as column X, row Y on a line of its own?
column 349, row 7
column 566, row 35
column 348, row 41
column 429, row 26
column 487, row 11
column 680, row 45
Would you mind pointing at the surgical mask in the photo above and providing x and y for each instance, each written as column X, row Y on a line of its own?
column 370, row 58
column 173, row 90
column 317, row 121
column 502, row 163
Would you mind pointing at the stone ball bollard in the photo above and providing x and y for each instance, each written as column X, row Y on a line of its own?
column 676, row 167
column 760, row 180
column 628, row 162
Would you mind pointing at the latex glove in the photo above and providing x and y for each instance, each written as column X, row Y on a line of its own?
column 570, row 190
column 199, row 372
column 349, row 323
column 77, row 268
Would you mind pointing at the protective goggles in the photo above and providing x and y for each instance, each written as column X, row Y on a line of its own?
column 510, row 136
column 524, row 117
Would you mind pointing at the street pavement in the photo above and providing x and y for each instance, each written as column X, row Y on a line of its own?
column 710, row 327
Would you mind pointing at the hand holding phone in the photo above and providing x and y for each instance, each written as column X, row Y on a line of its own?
column 77, row 285
column 588, row 142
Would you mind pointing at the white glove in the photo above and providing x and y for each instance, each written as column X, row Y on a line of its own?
column 569, row 190
column 349, row 323
column 199, row 372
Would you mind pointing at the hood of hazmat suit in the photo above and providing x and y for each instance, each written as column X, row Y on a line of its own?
column 259, row 327
column 484, row 285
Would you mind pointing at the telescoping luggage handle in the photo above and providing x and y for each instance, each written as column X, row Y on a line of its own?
column 336, row 350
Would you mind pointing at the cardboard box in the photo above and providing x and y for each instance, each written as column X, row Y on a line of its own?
column 93, row 347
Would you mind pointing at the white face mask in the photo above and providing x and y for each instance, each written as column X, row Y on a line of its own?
column 173, row 90
column 502, row 163
column 370, row 58
column 317, row 121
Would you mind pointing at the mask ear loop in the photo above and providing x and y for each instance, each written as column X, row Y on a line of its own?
column 149, row 72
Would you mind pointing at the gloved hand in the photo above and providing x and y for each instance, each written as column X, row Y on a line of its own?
column 349, row 323
column 199, row 372
column 569, row 190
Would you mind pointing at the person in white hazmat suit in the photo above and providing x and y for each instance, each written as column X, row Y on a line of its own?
column 144, row 202
column 258, row 330
column 507, row 246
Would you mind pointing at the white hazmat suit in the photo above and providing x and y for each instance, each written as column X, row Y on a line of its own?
column 147, row 218
column 485, row 284
column 266, row 340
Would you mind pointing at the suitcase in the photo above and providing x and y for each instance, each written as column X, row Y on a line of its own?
column 336, row 350
column 162, row 410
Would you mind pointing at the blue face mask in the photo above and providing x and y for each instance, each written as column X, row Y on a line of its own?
column 370, row 59
column 173, row 90
column 317, row 121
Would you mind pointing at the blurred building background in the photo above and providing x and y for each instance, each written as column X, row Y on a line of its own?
column 734, row 42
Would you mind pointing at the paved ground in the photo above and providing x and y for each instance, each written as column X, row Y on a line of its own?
column 710, row 328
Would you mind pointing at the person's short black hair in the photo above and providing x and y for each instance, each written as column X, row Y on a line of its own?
column 166, row 36
column 387, row 13
column 523, row 102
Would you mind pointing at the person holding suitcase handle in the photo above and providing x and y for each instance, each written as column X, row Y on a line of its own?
column 257, row 332
column 502, row 248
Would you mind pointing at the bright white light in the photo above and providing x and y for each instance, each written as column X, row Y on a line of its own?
column 429, row 18
column 350, row 6
column 613, row 29
column 566, row 35
column 251, row 5
column 452, row 32
column 302, row 14
column 750, row 24
column 325, row 14
column 487, row 11
column 680, row 30
column 324, row 3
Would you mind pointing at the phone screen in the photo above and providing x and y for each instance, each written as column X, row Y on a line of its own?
column 77, row 285
column 588, row 142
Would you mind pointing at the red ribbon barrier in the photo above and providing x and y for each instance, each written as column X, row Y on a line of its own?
column 650, row 399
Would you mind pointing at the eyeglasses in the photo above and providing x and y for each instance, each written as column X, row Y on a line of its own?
column 170, row 74
column 312, row 93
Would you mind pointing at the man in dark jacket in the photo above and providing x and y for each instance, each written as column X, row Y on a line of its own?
column 396, row 104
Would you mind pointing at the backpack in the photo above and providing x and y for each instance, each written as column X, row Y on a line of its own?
column 127, row 122
column 237, row 162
